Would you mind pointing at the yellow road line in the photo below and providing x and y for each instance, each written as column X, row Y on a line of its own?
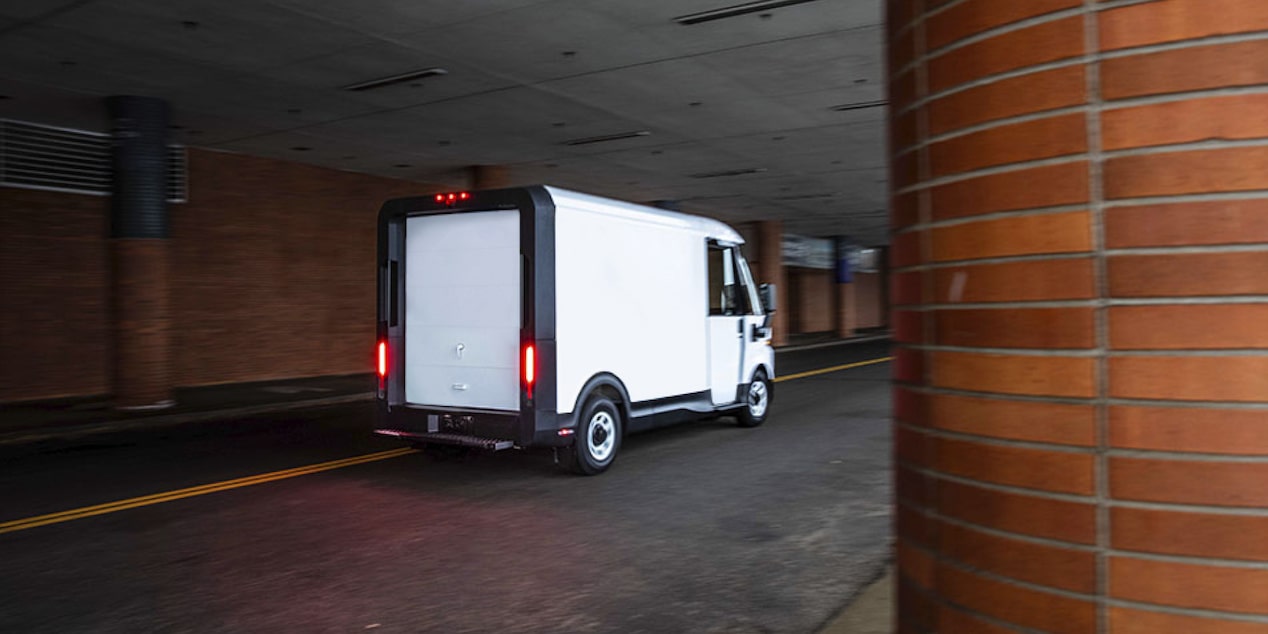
column 835, row 368
column 273, row 476
column 168, row 496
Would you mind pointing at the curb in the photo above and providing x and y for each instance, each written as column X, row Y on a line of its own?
column 170, row 420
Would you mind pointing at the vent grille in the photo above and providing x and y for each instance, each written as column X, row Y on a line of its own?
column 35, row 156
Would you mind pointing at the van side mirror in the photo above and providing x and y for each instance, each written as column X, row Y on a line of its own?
column 766, row 293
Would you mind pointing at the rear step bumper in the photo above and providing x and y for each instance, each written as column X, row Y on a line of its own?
column 491, row 444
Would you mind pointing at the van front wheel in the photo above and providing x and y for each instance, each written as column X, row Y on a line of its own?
column 756, row 401
column 598, row 438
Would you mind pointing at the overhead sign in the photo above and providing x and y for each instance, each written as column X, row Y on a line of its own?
column 811, row 253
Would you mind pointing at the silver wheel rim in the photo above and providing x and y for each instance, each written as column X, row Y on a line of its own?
column 757, row 398
column 601, row 436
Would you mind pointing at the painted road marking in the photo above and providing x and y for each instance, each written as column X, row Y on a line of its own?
column 273, row 476
column 835, row 368
column 168, row 496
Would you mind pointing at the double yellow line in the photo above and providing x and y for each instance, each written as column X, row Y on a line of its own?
column 168, row 496
column 273, row 476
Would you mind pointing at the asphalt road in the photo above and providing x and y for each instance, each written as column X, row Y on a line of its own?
column 705, row 527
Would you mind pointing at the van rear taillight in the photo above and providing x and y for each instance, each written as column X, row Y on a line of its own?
column 382, row 359
column 530, row 368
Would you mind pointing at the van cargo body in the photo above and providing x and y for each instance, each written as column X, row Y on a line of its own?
column 537, row 316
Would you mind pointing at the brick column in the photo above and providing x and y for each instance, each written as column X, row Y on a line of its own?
column 770, row 270
column 1080, row 287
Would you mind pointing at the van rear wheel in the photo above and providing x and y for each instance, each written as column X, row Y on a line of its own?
column 597, row 440
column 756, row 401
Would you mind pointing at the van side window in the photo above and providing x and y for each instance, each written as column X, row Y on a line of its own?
column 726, row 295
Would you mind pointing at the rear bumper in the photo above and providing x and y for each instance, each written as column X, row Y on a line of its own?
column 476, row 428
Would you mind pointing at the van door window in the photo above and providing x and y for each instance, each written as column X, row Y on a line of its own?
column 724, row 293
column 747, row 290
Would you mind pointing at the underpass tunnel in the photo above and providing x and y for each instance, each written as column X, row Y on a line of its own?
column 1079, row 247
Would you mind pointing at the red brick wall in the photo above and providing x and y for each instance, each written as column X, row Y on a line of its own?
column 816, row 310
column 54, row 271
column 273, row 269
column 272, row 276
column 1080, row 282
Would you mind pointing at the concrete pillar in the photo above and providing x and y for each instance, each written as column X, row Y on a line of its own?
column 490, row 176
column 846, row 318
column 770, row 270
column 142, row 368
column 1081, row 306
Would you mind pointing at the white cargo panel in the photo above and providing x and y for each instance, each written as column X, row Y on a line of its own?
column 462, row 310
column 631, row 300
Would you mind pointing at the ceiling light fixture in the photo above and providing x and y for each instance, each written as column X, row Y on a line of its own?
column 608, row 137
column 860, row 105
column 739, row 172
column 396, row 79
column 732, row 11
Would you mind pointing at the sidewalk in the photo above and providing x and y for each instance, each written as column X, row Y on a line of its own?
column 870, row 612
column 67, row 419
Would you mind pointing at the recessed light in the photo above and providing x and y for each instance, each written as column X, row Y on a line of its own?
column 836, row 162
column 558, row 124
column 569, row 53
column 739, row 9
column 861, row 80
column 301, row 148
column 608, row 137
column 175, row 127
column 294, row 110
column 444, row 143
column 860, row 105
column 765, row 16
column 658, row 151
column 696, row 104
column 190, row 25
column 68, row 63
column 404, row 165
column 396, row 79
column 778, row 138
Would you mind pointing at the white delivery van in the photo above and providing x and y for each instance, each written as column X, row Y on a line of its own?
column 536, row 316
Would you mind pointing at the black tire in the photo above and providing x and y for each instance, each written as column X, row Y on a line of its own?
column 598, row 438
column 756, row 401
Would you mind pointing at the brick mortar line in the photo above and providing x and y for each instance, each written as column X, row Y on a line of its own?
column 1064, row 400
column 1074, row 61
column 1196, row 42
column 1007, row 534
column 1004, row 488
column 992, row 170
column 942, row 602
column 1097, row 599
column 994, row 215
column 1112, row 451
column 1093, row 353
column 1178, row 611
column 1116, row 203
column 986, row 80
column 1005, row 29
column 1245, row 247
column 1118, row 104
column 1185, row 95
column 1087, row 548
column 938, row 265
column 1136, row 201
column 1090, row 500
column 1179, row 300
column 999, row 441
column 1205, row 145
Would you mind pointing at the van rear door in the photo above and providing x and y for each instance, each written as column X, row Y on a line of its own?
column 462, row 310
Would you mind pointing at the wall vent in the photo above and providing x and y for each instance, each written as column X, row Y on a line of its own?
column 36, row 156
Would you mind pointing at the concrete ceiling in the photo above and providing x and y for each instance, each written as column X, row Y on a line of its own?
column 751, row 92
